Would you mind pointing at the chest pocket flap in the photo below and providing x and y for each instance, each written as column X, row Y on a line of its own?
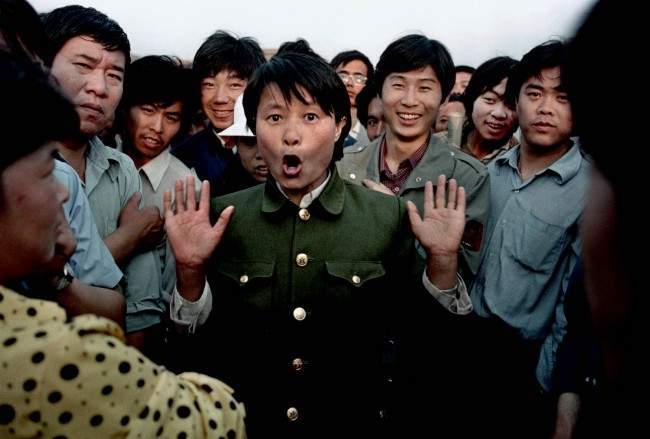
column 244, row 272
column 356, row 273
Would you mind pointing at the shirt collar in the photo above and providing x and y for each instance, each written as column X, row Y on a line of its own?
column 565, row 168
column 155, row 169
column 308, row 198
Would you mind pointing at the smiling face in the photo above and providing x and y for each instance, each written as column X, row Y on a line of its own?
column 544, row 112
column 492, row 118
column 92, row 78
column 151, row 128
column 411, row 101
column 296, row 140
column 218, row 96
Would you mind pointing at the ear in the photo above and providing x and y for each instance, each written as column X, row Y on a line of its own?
column 339, row 128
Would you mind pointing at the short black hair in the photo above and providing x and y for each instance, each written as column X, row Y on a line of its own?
column 22, row 30
column 364, row 98
column 291, row 71
column 21, row 85
column 159, row 80
column 552, row 53
column 222, row 50
column 487, row 75
column 414, row 52
column 299, row 46
column 351, row 55
column 465, row 69
column 63, row 24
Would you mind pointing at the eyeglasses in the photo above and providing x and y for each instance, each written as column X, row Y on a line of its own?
column 357, row 77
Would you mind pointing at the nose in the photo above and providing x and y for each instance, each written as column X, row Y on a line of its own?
column 96, row 83
column 545, row 105
column 408, row 98
column 291, row 136
column 221, row 95
column 157, row 123
column 499, row 111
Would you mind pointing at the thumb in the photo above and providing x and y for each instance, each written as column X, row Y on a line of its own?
column 134, row 201
column 414, row 216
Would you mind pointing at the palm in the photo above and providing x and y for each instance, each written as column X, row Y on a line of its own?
column 440, row 229
column 193, row 239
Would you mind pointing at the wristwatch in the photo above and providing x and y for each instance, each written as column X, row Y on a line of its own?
column 64, row 279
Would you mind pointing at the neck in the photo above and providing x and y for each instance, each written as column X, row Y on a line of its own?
column 296, row 195
column 479, row 146
column 75, row 154
column 353, row 117
column 137, row 158
column 534, row 159
column 398, row 150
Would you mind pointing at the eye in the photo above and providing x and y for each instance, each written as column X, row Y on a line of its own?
column 146, row 109
column 533, row 94
column 172, row 118
column 207, row 85
column 236, row 85
column 563, row 99
column 274, row 118
column 425, row 88
column 398, row 85
column 489, row 100
column 83, row 66
column 115, row 77
column 312, row 117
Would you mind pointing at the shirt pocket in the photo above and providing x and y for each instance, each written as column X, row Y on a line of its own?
column 346, row 280
column 250, row 282
column 534, row 243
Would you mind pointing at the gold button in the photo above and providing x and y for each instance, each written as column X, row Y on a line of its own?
column 301, row 259
column 292, row 414
column 297, row 364
column 299, row 314
column 304, row 214
column 243, row 279
column 356, row 280
column 353, row 176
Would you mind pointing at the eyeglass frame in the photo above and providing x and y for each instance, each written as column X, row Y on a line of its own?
column 357, row 78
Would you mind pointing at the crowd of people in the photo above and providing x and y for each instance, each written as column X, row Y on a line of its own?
column 291, row 247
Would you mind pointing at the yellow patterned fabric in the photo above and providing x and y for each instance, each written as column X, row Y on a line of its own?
column 78, row 379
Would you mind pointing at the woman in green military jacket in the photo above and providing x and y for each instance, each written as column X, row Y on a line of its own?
column 311, row 275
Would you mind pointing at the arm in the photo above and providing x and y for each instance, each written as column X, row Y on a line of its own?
column 79, row 298
column 568, row 408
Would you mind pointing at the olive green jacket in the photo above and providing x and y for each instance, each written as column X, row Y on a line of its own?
column 441, row 157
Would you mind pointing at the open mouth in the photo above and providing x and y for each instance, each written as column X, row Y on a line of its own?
column 409, row 116
column 291, row 165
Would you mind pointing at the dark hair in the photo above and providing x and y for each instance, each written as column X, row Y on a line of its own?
column 22, row 30
column 351, row 55
column 487, row 75
column 364, row 98
column 299, row 46
column 456, row 97
column 222, row 50
column 292, row 71
column 550, row 54
column 21, row 85
column 414, row 52
column 63, row 24
column 465, row 69
column 158, row 80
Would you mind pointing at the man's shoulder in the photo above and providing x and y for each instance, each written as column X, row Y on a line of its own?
column 115, row 158
column 245, row 197
column 461, row 159
column 189, row 146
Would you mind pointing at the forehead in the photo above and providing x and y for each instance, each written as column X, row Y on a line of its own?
column 272, row 97
column 224, row 74
column 354, row 66
column 423, row 74
column 85, row 46
column 550, row 77
column 463, row 76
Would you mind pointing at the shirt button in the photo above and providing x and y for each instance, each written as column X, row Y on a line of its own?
column 396, row 189
column 292, row 414
column 299, row 314
column 297, row 364
column 516, row 191
column 243, row 279
column 418, row 179
column 304, row 214
column 353, row 176
column 356, row 280
column 452, row 153
column 301, row 259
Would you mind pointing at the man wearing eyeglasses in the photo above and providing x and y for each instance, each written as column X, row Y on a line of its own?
column 355, row 70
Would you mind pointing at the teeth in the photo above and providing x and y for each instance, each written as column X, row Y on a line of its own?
column 408, row 116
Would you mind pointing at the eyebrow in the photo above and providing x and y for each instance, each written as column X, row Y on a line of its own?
column 403, row 78
column 94, row 60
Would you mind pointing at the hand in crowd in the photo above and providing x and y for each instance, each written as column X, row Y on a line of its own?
column 440, row 229
column 192, row 237
column 145, row 223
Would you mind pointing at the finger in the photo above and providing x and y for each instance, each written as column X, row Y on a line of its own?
column 134, row 201
column 191, row 193
column 460, row 202
column 222, row 222
column 204, row 204
column 451, row 196
column 180, row 200
column 428, row 198
column 440, row 192
column 167, row 203
column 414, row 216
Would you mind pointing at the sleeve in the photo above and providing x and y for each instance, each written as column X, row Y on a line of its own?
column 455, row 300
column 95, row 384
column 190, row 315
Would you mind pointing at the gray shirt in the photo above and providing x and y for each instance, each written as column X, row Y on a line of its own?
column 111, row 179
column 531, row 246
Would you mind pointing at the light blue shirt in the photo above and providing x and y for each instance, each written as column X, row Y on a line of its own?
column 111, row 180
column 91, row 262
column 531, row 245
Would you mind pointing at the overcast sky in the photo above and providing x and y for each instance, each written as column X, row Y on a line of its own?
column 473, row 30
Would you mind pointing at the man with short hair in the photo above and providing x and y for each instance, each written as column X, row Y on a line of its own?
column 370, row 111
column 222, row 66
column 89, row 55
column 463, row 76
column 531, row 247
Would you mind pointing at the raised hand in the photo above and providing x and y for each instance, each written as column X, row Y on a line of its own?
column 441, row 227
column 192, row 237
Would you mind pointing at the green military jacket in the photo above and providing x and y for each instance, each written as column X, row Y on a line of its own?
column 304, row 300
column 441, row 157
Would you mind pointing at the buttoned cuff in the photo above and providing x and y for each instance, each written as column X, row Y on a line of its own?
column 190, row 315
column 455, row 300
